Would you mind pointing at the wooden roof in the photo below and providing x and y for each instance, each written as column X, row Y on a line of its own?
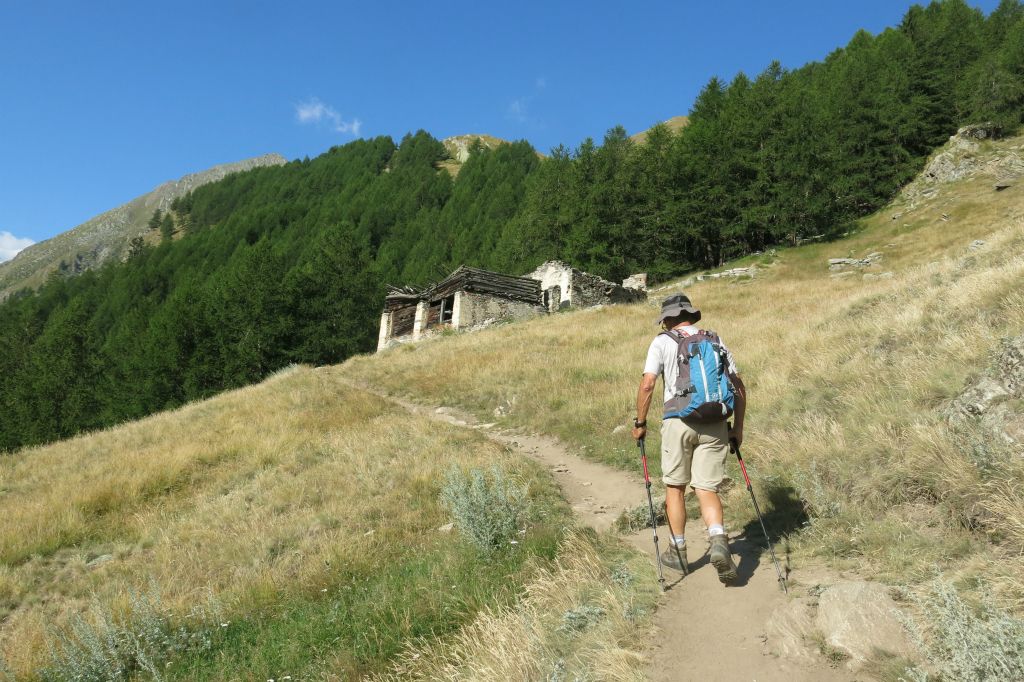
column 475, row 280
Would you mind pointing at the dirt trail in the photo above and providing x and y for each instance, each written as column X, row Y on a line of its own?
column 704, row 631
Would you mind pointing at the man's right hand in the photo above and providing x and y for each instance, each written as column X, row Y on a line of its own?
column 639, row 432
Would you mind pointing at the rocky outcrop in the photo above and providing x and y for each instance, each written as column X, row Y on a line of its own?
column 458, row 146
column 859, row 618
column 848, row 621
column 838, row 264
column 962, row 157
column 993, row 400
column 108, row 235
column 732, row 273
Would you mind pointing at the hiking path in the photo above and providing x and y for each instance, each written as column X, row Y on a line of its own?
column 704, row 631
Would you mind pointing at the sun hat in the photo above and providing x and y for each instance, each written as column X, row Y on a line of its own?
column 676, row 305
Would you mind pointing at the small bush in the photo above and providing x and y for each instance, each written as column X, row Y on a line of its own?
column 639, row 517
column 101, row 646
column 488, row 509
column 581, row 618
column 985, row 644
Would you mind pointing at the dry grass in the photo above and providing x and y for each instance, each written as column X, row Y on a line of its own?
column 278, row 497
column 580, row 619
column 847, row 379
column 287, row 499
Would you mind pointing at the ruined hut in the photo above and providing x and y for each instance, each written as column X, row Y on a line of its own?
column 564, row 286
column 468, row 297
column 472, row 297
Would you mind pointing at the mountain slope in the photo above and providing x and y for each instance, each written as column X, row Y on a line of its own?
column 310, row 507
column 458, row 147
column 675, row 124
column 106, row 236
column 858, row 449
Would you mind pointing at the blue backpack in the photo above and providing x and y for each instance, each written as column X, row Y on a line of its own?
column 703, row 392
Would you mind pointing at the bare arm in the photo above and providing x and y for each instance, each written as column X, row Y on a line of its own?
column 741, row 408
column 643, row 402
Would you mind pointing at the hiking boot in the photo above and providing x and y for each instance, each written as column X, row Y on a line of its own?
column 722, row 559
column 671, row 558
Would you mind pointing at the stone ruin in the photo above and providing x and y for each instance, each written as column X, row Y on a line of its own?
column 472, row 298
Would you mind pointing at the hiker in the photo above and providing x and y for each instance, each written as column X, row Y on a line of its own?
column 694, row 434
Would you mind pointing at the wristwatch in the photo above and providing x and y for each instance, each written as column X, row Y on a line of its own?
column 639, row 424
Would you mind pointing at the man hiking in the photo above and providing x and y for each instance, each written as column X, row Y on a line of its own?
column 702, row 389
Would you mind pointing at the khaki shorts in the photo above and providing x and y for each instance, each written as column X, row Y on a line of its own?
column 694, row 454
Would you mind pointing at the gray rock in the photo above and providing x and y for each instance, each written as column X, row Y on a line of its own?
column 991, row 400
column 790, row 632
column 505, row 408
column 859, row 618
column 836, row 264
column 100, row 560
column 976, row 244
column 621, row 428
column 447, row 528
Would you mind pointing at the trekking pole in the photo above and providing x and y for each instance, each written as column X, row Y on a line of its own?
column 743, row 467
column 650, row 503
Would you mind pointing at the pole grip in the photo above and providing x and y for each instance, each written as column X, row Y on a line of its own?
column 643, row 459
column 735, row 447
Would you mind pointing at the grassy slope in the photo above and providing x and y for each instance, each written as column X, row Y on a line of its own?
column 266, row 496
column 307, row 508
column 847, row 378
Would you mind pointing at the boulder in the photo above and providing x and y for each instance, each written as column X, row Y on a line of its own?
column 836, row 264
column 992, row 400
column 100, row 560
column 637, row 281
column 790, row 632
column 859, row 619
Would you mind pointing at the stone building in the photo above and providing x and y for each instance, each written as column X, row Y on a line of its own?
column 564, row 286
column 472, row 297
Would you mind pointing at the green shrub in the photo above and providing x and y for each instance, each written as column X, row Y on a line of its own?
column 983, row 644
column 103, row 646
column 581, row 618
column 488, row 509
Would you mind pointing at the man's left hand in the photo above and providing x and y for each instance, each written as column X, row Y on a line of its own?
column 736, row 434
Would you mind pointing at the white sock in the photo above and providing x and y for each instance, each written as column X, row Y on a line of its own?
column 678, row 540
column 716, row 529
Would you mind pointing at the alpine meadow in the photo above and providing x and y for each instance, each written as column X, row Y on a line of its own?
column 207, row 474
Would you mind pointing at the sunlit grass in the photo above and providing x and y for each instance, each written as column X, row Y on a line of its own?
column 310, row 510
column 847, row 379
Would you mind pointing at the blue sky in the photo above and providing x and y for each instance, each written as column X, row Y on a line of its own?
column 102, row 101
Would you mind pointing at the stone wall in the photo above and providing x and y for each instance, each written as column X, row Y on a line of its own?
column 555, row 274
column 581, row 289
column 589, row 290
column 475, row 310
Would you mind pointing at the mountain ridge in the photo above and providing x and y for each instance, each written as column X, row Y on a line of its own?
column 106, row 236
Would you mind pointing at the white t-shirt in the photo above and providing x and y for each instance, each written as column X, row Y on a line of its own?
column 661, row 359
